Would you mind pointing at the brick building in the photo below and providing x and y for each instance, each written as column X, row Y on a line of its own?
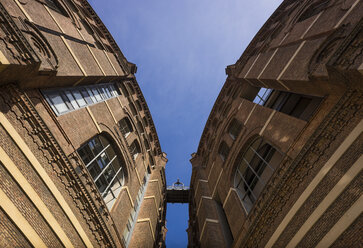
column 279, row 163
column 80, row 160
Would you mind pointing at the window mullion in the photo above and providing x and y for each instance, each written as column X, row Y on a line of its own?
column 109, row 185
column 254, row 172
column 248, row 186
column 261, row 158
column 104, row 169
column 97, row 155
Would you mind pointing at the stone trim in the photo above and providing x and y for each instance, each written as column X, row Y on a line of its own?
column 249, row 115
column 73, row 55
column 156, row 205
column 205, row 223
column 227, row 197
column 77, row 184
column 157, row 181
column 344, row 222
column 34, row 198
column 346, row 14
column 267, row 122
column 23, row 10
column 311, row 25
column 268, row 62
column 138, row 176
column 216, row 185
column 314, row 183
column 128, row 194
column 93, row 119
column 19, row 220
column 254, row 62
column 94, row 56
column 111, row 113
column 200, row 180
column 210, row 171
column 151, row 228
column 281, row 187
column 200, row 202
column 109, row 60
column 55, row 20
column 45, row 177
column 327, row 201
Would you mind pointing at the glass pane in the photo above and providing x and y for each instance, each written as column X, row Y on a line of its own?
column 101, row 184
column 79, row 98
column 102, row 160
column 95, row 146
column 71, row 99
column 58, row 103
column 94, row 170
column 108, row 93
column 109, row 174
column 110, row 153
column 102, row 92
column 86, row 96
column 262, row 96
column 96, row 94
column 86, row 154
column 113, row 90
column 90, row 93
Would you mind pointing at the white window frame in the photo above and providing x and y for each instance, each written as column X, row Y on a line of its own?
column 72, row 103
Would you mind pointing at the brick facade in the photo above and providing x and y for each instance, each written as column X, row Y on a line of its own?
column 307, row 49
column 62, row 45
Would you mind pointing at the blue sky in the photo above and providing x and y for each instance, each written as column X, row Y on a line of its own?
column 181, row 48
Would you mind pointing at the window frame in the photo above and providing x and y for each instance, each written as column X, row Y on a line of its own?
column 288, row 102
column 84, row 97
column 135, row 148
column 256, row 166
column 223, row 150
column 102, row 166
column 234, row 125
column 128, row 125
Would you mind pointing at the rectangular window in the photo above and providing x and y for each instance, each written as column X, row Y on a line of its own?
column 71, row 99
column 296, row 105
column 134, row 212
column 79, row 98
column 57, row 102
column 97, row 94
column 65, row 100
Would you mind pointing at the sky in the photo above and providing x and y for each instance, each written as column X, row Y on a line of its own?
column 181, row 49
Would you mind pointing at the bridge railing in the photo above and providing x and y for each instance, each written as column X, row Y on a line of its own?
column 174, row 187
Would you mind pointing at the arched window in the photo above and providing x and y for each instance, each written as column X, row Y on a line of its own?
column 313, row 10
column 226, row 110
column 223, row 150
column 254, row 168
column 144, row 120
column 146, row 142
column 105, row 166
column 234, row 128
column 125, row 126
column 132, row 108
column 151, row 160
column 140, row 127
column 138, row 105
column 135, row 148
column 131, row 88
column 124, row 90
column 221, row 106
column 214, row 122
